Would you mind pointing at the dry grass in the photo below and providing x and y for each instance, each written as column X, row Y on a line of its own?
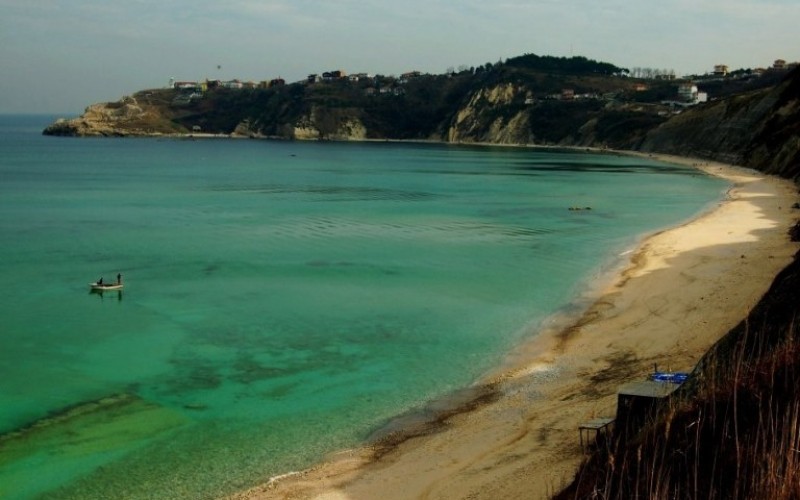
column 732, row 432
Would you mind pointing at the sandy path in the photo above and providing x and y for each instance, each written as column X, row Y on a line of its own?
column 684, row 289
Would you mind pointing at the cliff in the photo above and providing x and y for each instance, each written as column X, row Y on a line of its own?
column 512, row 103
column 127, row 117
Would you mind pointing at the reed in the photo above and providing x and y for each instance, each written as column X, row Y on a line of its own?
column 731, row 432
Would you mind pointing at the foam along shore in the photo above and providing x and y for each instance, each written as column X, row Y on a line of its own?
column 682, row 290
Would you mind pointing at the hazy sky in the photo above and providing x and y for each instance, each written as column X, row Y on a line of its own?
column 61, row 55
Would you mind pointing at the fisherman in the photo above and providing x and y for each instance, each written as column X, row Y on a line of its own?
column 100, row 281
column 119, row 279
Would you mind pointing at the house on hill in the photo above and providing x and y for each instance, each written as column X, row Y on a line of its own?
column 186, row 86
column 687, row 92
column 356, row 77
column 410, row 75
column 232, row 84
column 333, row 75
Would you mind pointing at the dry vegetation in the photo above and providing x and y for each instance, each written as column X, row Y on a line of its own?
column 732, row 432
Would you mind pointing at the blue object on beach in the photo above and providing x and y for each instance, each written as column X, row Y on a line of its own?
column 671, row 377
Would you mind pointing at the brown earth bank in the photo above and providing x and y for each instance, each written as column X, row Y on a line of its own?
column 516, row 436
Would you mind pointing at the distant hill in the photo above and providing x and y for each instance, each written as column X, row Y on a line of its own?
column 412, row 107
column 530, row 99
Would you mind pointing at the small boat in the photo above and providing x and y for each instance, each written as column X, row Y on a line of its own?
column 105, row 286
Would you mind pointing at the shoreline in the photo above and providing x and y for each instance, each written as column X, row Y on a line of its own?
column 514, row 433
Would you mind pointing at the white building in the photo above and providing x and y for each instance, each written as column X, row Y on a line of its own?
column 687, row 92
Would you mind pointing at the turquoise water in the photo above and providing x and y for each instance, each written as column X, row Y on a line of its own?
column 282, row 300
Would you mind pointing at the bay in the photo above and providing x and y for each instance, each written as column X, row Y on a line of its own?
column 282, row 300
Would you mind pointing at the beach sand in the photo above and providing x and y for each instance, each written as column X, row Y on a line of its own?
column 516, row 434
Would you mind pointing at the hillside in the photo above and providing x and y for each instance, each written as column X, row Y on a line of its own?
column 525, row 100
column 519, row 101
column 758, row 129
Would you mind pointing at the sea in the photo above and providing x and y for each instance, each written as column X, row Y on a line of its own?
column 282, row 300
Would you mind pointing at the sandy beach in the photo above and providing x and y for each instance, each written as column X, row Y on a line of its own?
column 516, row 434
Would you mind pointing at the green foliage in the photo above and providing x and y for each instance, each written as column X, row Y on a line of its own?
column 577, row 65
column 221, row 110
column 552, row 121
column 419, row 108
column 425, row 106
column 414, row 111
column 417, row 113
column 657, row 92
column 621, row 129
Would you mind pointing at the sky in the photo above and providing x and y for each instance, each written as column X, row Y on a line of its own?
column 59, row 56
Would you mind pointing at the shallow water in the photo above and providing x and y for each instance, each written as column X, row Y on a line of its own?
column 282, row 300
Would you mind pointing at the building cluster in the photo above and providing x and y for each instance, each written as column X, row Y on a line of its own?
column 723, row 71
column 336, row 75
column 329, row 76
column 191, row 91
column 376, row 85
column 206, row 85
column 688, row 93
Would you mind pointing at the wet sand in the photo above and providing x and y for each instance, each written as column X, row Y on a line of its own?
column 515, row 435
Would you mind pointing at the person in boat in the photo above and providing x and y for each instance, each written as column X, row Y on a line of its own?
column 100, row 281
column 119, row 278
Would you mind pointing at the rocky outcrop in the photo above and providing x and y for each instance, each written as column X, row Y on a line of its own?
column 246, row 129
column 122, row 118
column 329, row 124
column 493, row 115
column 350, row 129
column 509, row 114
column 303, row 129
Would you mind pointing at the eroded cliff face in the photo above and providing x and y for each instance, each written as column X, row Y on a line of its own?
column 324, row 125
column 122, row 118
column 492, row 115
column 509, row 114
